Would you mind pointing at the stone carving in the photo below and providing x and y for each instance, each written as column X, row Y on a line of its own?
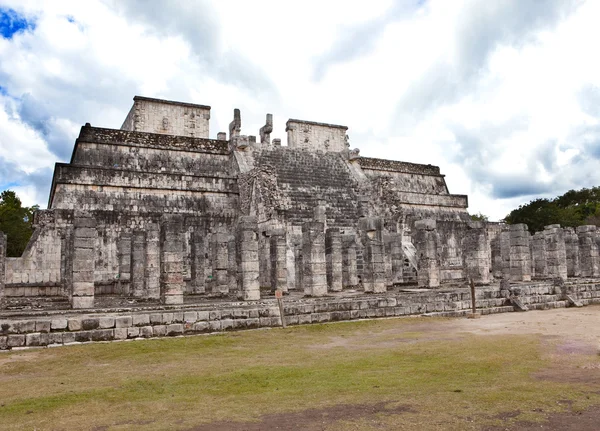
column 235, row 127
column 265, row 131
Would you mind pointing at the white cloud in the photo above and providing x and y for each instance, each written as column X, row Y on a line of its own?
column 502, row 95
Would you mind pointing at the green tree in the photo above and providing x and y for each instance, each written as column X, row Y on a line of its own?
column 479, row 217
column 574, row 208
column 16, row 221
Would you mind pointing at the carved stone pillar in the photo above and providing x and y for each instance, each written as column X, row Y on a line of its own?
column 589, row 261
column 278, row 261
column 247, row 258
column 171, row 261
column 220, row 263
column 333, row 257
column 428, row 260
column 556, row 254
column 2, row 270
column 371, row 229
column 476, row 259
column 313, row 256
column 198, row 261
column 138, row 263
column 538, row 254
column 152, row 272
column 520, row 258
column 572, row 250
column 84, row 262
column 349, row 275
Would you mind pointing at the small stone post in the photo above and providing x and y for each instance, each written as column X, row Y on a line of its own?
column 84, row 262
column 428, row 260
column 572, row 250
column 476, row 259
column 197, row 264
column 152, row 273
column 349, row 275
column 278, row 261
column 171, row 261
column 313, row 257
column 589, row 261
column 2, row 270
column 556, row 254
column 374, row 265
column 520, row 258
column 247, row 258
column 138, row 263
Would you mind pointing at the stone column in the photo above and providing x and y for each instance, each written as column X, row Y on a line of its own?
column 124, row 253
column 476, row 259
column 299, row 267
column 171, row 261
column 264, row 260
column 220, row 263
column 313, row 257
column 84, row 262
column 572, row 250
column 589, row 261
column 505, row 252
column 66, row 261
column 333, row 258
column 278, row 261
column 538, row 255
column 2, row 270
column 349, row 275
column 231, row 265
column 556, row 254
column 371, row 229
column 152, row 272
column 138, row 263
column 520, row 258
column 198, row 259
column 428, row 260
column 247, row 258
column 387, row 260
column 397, row 259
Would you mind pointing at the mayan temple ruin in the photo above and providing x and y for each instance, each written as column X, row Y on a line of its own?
column 154, row 229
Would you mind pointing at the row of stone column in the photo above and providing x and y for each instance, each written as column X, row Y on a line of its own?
column 563, row 253
column 152, row 260
column 474, row 246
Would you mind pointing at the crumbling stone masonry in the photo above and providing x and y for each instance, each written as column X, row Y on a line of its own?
column 157, row 214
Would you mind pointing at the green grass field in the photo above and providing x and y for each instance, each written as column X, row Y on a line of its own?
column 424, row 377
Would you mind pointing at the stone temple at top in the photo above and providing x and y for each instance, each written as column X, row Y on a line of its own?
column 157, row 211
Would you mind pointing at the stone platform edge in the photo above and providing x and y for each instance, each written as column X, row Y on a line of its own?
column 56, row 329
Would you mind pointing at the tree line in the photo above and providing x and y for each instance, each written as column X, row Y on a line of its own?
column 16, row 221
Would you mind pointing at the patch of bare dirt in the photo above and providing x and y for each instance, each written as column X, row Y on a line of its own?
column 307, row 420
column 587, row 420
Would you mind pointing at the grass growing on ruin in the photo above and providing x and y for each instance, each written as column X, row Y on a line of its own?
column 178, row 383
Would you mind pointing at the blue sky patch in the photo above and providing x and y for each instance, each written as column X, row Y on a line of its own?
column 11, row 22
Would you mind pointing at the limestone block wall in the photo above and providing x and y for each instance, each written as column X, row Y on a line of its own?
column 312, row 136
column 413, row 191
column 167, row 117
column 150, row 159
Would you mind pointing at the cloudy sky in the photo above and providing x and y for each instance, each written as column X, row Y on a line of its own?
column 503, row 95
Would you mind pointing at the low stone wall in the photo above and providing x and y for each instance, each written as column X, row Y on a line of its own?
column 71, row 327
